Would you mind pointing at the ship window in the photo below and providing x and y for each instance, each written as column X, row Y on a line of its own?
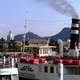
column 72, row 70
column 45, row 69
column 6, row 78
column 1, row 66
column 57, row 69
column 51, row 69
column 40, row 68
column 40, row 51
column 45, row 51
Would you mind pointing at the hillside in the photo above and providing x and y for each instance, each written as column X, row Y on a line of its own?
column 64, row 34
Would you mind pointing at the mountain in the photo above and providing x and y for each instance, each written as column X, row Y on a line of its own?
column 29, row 35
column 64, row 34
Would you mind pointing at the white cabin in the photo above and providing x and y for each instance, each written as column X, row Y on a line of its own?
column 40, row 51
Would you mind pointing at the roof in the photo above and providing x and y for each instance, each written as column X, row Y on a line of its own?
column 38, row 41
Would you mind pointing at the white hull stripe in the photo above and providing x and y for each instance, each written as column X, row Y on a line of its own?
column 75, row 25
column 75, row 31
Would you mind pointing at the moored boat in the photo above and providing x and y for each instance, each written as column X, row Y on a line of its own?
column 7, row 69
column 51, row 68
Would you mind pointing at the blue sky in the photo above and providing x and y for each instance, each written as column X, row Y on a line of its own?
column 41, row 18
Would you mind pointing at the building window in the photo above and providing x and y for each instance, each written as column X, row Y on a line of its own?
column 51, row 69
column 45, row 69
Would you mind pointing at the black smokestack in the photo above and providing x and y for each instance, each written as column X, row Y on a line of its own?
column 74, row 33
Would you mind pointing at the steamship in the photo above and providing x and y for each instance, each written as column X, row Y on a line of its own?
column 53, row 68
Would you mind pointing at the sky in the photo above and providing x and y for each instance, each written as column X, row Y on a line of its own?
column 40, row 17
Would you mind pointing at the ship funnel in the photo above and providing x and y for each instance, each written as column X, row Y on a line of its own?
column 60, row 42
column 74, row 37
column 68, row 42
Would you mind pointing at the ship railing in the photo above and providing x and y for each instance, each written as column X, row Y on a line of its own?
column 32, row 60
column 67, row 61
column 7, row 62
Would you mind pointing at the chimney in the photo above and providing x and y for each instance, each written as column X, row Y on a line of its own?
column 74, row 37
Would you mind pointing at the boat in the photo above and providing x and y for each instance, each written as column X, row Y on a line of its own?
column 62, row 67
column 40, row 69
column 7, row 69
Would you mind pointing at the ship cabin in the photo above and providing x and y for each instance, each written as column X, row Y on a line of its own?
column 40, row 51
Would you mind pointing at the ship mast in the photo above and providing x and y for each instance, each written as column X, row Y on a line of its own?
column 24, row 37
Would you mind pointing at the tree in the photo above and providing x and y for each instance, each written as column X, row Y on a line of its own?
column 11, row 45
column 2, row 42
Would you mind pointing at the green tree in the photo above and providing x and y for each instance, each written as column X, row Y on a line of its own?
column 2, row 42
column 11, row 45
